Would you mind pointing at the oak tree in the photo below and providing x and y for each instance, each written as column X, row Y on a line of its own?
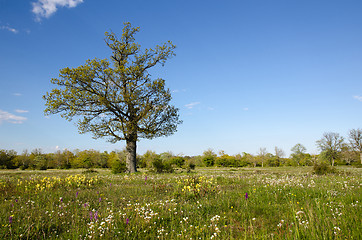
column 117, row 98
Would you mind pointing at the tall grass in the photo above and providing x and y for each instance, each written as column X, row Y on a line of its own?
column 288, row 203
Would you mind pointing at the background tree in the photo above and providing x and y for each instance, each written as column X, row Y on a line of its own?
column 7, row 158
column 209, row 157
column 298, row 153
column 119, row 102
column 262, row 155
column 355, row 139
column 331, row 145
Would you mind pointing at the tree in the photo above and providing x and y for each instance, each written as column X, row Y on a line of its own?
column 355, row 139
column 262, row 154
column 119, row 102
column 209, row 157
column 331, row 145
column 279, row 153
column 298, row 153
column 7, row 159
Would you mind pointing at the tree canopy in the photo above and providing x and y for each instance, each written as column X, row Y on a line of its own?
column 117, row 98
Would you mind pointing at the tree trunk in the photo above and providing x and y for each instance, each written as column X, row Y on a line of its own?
column 131, row 155
column 360, row 156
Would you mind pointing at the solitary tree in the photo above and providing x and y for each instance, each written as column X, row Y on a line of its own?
column 119, row 101
column 355, row 139
column 331, row 145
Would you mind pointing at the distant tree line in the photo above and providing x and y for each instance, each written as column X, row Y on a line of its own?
column 334, row 149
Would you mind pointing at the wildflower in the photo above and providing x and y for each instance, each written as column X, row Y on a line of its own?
column 100, row 199
column 11, row 219
column 246, row 196
column 127, row 221
column 90, row 216
column 96, row 216
column 146, row 178
column 76, row 195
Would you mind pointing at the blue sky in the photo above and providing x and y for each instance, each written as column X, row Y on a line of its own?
column 247, row 74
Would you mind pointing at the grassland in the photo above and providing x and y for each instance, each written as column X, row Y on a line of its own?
column 210, row 203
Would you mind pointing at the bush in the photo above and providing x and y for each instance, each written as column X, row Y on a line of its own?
column 178, row 161
column 191, row 167
column 159, row 166
column 323, row 168
column 118, row 166
column 209, row 161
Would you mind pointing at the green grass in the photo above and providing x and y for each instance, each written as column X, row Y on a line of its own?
column 210, row 203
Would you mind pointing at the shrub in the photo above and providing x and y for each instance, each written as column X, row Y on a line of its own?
column 323, row 168
column 191, row 167
column 209, row 161
column 178, row 161
column 118, row 166
column 159, row 166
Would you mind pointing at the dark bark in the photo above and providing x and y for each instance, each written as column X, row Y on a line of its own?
column 131, row 155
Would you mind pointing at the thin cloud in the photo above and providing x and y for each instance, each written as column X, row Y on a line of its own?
column 191, row 105
column 17, row 94
column 246, row 109
column 359, row 98
column 21, row 111
column 46, row 8
column 10, row 29
column 11, row 118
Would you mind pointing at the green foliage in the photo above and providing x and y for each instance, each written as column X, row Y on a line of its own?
column 331, row 145
column 209, row 161
column 273, row 161
column 117, row 99
column 41, row 162
column 209, row 158
column 160, row 166
column 119, row 166
column 178, row 161
column 323, row 168
column 7, row 159
column 191, row 166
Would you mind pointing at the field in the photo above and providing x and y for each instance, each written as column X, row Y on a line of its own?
column 209, row 203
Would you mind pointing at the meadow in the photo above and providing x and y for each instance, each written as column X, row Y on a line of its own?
column 208, row 203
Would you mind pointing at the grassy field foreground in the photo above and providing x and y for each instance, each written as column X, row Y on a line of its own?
column 263, row 203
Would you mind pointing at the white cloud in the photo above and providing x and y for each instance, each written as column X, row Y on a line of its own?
column 191, row 105
column 46, row 8
column 10, row 29
column 246, row 109
column 359, row 98
column 21, row 111
column 17, row 94
column 11, row 118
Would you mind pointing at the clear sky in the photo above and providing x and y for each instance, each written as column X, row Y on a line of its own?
column 247, row 73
